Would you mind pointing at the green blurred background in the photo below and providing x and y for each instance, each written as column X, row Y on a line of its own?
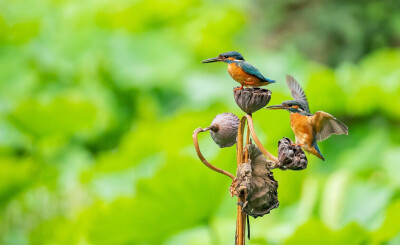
column 99, row 99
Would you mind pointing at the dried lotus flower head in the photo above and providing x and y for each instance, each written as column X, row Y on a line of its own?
column 257, row 183
column 252, row 99
column 224, row 129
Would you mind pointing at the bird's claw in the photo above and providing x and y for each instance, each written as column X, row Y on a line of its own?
column 240, row 88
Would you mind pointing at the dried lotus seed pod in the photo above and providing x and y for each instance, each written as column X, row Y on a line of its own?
column 252, row 99
column 224, row 129
column 291, row 156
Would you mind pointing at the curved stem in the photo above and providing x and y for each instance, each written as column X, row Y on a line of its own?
column 257, row 141
column 272, row 165
column 239, row 143
column 246, row 150
column 196, row 145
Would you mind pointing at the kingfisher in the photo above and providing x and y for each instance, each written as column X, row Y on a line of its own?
column 308, row 128
column 241, row 71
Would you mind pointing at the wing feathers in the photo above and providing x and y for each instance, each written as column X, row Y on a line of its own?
column 251, row 70
column 326, row 125
column 296, row 91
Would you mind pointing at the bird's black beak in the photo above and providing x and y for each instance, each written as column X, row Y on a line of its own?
column 216, row 59
column 275, row 107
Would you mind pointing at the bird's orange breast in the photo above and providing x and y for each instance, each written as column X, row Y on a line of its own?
column 302, row 129
column 242, row 77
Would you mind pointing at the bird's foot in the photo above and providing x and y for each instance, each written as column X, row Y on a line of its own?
column 297, row 144
column 238, row 88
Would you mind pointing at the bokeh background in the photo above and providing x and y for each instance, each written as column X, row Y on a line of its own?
column 99, row 99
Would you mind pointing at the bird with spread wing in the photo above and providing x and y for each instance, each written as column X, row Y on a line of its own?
column 308, row 128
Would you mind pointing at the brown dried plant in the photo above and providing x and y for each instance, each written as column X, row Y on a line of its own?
column 254, row 185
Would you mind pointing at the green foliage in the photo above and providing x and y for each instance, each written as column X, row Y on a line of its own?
column 315, row 232
column 43, row 119
column 16, row 174
column 99, row 99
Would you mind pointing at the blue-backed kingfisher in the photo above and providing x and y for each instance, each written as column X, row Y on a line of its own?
column 308, row 128
column 241, row 71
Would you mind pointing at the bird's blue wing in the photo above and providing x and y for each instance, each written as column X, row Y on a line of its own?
column 253, row 71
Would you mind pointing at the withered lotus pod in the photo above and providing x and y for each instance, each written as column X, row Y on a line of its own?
column 254, row 179
column 291, row 156
column 224, row 129
column 252, row 99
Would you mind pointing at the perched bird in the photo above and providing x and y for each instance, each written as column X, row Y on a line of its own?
column 308, row 128
column 241, row 71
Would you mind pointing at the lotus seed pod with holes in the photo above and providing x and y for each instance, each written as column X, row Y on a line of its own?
column 291, row 156
column 251, row 100
column 224, row 129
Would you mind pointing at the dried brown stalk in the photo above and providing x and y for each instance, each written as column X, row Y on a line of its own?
column 241, row 216
column 246, row 152
column 257, row 141
column 196, row 145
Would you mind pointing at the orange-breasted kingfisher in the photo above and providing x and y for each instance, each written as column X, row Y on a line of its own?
column 241, row 71
column 308, row 128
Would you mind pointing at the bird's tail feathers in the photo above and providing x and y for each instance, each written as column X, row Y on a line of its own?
column 267, row 80
column 315, row 150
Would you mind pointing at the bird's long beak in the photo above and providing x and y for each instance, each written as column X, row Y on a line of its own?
column 275, row 107
column 216, row 59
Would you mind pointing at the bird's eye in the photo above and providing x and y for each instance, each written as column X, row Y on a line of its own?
column 290, row 105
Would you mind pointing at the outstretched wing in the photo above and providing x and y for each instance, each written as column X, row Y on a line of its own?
column 253, row 71
column 325, row 125
column 297, row 92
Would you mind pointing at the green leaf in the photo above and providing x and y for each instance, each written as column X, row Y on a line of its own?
column 390, row 227
column 64, row 116
column 183, row 194
column 15, row 175
column 315, row 232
